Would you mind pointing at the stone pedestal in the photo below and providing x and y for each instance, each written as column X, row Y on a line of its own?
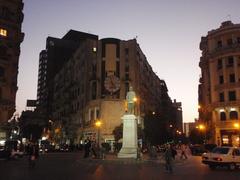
column 129, row 146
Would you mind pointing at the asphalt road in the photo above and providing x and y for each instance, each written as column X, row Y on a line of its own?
column 71, row 166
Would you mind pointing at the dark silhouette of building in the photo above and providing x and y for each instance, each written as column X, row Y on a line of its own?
column 11, row 36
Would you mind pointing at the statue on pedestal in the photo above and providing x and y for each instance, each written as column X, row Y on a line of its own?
column 130, row 98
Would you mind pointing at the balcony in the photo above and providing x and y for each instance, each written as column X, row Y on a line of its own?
column 223, row 104
column 228, row 124
column 235, row 47
column 226, row 86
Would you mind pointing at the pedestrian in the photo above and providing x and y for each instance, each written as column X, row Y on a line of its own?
column 183, row 151
column 94, row 149
column 168, row 159
column 33, row 153
column 102, row 152
column 87, row 146
column 174, row 151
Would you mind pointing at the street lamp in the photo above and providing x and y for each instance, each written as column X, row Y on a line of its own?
column 202, row 127
column 237, row 126
column 98, row 124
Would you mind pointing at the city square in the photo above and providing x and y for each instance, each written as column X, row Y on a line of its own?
column 119, row 90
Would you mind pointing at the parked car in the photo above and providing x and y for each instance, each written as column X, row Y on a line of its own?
column 222, row 156
column 199, row 149
column 14, row 148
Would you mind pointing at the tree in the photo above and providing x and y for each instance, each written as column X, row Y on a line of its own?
column 156, row 129
column 196, row 137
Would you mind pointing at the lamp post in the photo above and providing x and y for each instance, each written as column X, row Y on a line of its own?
column 237, row 126
column 98, row 124
column 202, row 127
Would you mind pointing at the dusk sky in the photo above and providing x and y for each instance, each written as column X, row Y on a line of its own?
column 168, row 32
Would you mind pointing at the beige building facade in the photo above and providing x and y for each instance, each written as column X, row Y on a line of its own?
column 219, row 88
column 93, row 84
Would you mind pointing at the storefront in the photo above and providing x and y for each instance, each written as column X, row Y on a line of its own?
column 230, row 137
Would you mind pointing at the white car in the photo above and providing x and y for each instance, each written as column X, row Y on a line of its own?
column 222, row 156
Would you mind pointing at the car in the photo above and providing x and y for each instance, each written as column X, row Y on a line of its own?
column 222, row 156
column 199, row 149
column 14, row 148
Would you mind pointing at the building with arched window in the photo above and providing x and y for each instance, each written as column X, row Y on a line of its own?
column 219, row 88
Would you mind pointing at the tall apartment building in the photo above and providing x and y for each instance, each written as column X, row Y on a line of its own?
column 11, row 36
column 92, row 84
column 57, row 53
column 219, row 88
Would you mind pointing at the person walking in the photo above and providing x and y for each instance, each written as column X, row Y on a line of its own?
column 183, row 151
column 87, row 147
column 168, row 159
column 33, row 153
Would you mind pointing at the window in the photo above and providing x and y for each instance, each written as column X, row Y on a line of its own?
column 126, row 76
column 97, row 113
column 91, row 114
column 3, row 51
column 126, row 51
column 236, row 152
column 221, row 150
column 219, row 44
column 229, row 41
column 233, row 115
column 232, row 78
column 126, row 88
column 221, row 80
column 3, row 32
column 223, row 116
column 126, row 68
column 94, row 90
column 221, row 97
column 2, row 71
column 232, row 95
column 220, row 64
column 238, row 40
column 230, row 61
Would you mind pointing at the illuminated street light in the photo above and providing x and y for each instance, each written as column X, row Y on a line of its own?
column 135, row 99
column 98, row 124
column 199, row 106
column 236, row 125
column 153, row 113
column 201, row 127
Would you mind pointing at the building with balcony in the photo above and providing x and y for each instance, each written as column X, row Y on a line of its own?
column 92, row 85
column 11, row 36
column 219, row 85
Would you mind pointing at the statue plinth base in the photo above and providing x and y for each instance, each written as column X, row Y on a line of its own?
column 129, row 146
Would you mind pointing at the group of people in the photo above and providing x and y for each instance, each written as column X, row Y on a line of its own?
column 91, row 148
column 170, row 154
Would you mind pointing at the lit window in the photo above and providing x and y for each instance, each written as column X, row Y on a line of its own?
column 94, row 49
column 3, row 32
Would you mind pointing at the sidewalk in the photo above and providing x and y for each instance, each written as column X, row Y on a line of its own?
column 145, row 159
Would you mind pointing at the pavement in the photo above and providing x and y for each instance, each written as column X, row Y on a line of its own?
column 145, row 159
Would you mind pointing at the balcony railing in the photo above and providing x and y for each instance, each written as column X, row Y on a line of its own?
column 226, row 86
column 223, row 104
column 225, row 49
